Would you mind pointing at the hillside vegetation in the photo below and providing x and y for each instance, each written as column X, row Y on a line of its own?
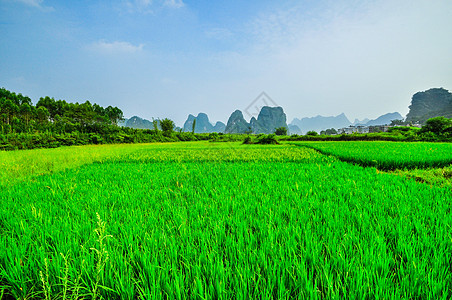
column 429, row 104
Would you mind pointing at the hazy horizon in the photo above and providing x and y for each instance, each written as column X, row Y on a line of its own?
column 248, row 117
column 172, row 58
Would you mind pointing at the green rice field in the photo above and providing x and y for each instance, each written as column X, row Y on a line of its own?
column 387, row 155
column 204, row 220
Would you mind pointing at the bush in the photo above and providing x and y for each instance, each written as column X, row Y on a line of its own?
column 213, row 136
column 96, row 139
column 268, row 140
column 312, row 133
column 247, row 140
column 281, row 131
column 7, row 147
column 186, row 136
column 436, row 125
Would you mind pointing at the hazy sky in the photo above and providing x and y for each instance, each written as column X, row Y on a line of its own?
column 171, row 58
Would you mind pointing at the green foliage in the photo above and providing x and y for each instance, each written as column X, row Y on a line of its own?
column 156, row 125
column 428, row 104
column 437, row 125
column 403, row 129
column 269, row 139
column 434, row 176
column 312, row 133
column 186, row 136
column 281, row 131
column 247, row 140
column 397, row 123
column 167, row 125
column 54, row 123
column 193, row 126
column 229, row 138
column 214, row 136
column 330, row 131
column 18, row 115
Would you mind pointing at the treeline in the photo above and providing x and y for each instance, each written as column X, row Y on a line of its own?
column 120, row 135
column 19, row 115
column 53, row 123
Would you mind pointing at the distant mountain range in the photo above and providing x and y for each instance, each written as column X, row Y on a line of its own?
column 424, row 105
column 320, row 123
column 363, row 121
column 384, row 119
column 267, row 121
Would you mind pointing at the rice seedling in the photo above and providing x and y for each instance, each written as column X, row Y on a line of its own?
column 17, row 166
column 387, row 155
column 224, row 221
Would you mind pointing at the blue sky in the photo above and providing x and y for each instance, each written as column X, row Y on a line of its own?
column 171, row 58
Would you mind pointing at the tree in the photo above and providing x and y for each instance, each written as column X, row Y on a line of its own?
column 436, row 125
column 25, row 111
column 193, row 126
column 49, row 104
column 268, row 139
column 43, row 114
column 312, row 133
column 330, row 131
column 397, row 122
column 9, row 109
column 281, row 131
column 114, row 114
column 100, row 114
column 167, row 125
column 156, row 124
column 24, row 100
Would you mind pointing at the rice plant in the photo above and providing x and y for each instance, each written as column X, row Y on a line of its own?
column 224, row 221
column 387, row 155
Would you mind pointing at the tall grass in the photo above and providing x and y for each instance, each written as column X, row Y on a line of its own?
column 238, row 222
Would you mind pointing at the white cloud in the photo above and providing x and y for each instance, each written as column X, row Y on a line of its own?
column 364, row 60
column 37, row 4
column 174, row 3
column 116, row 47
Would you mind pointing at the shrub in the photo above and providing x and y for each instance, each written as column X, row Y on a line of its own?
column 281, row 131
column 436, row 125
column 7, row 147
column 312, row 133
column 268, row 139
column 213, row 136
column 247, row 140
column 96, row 139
